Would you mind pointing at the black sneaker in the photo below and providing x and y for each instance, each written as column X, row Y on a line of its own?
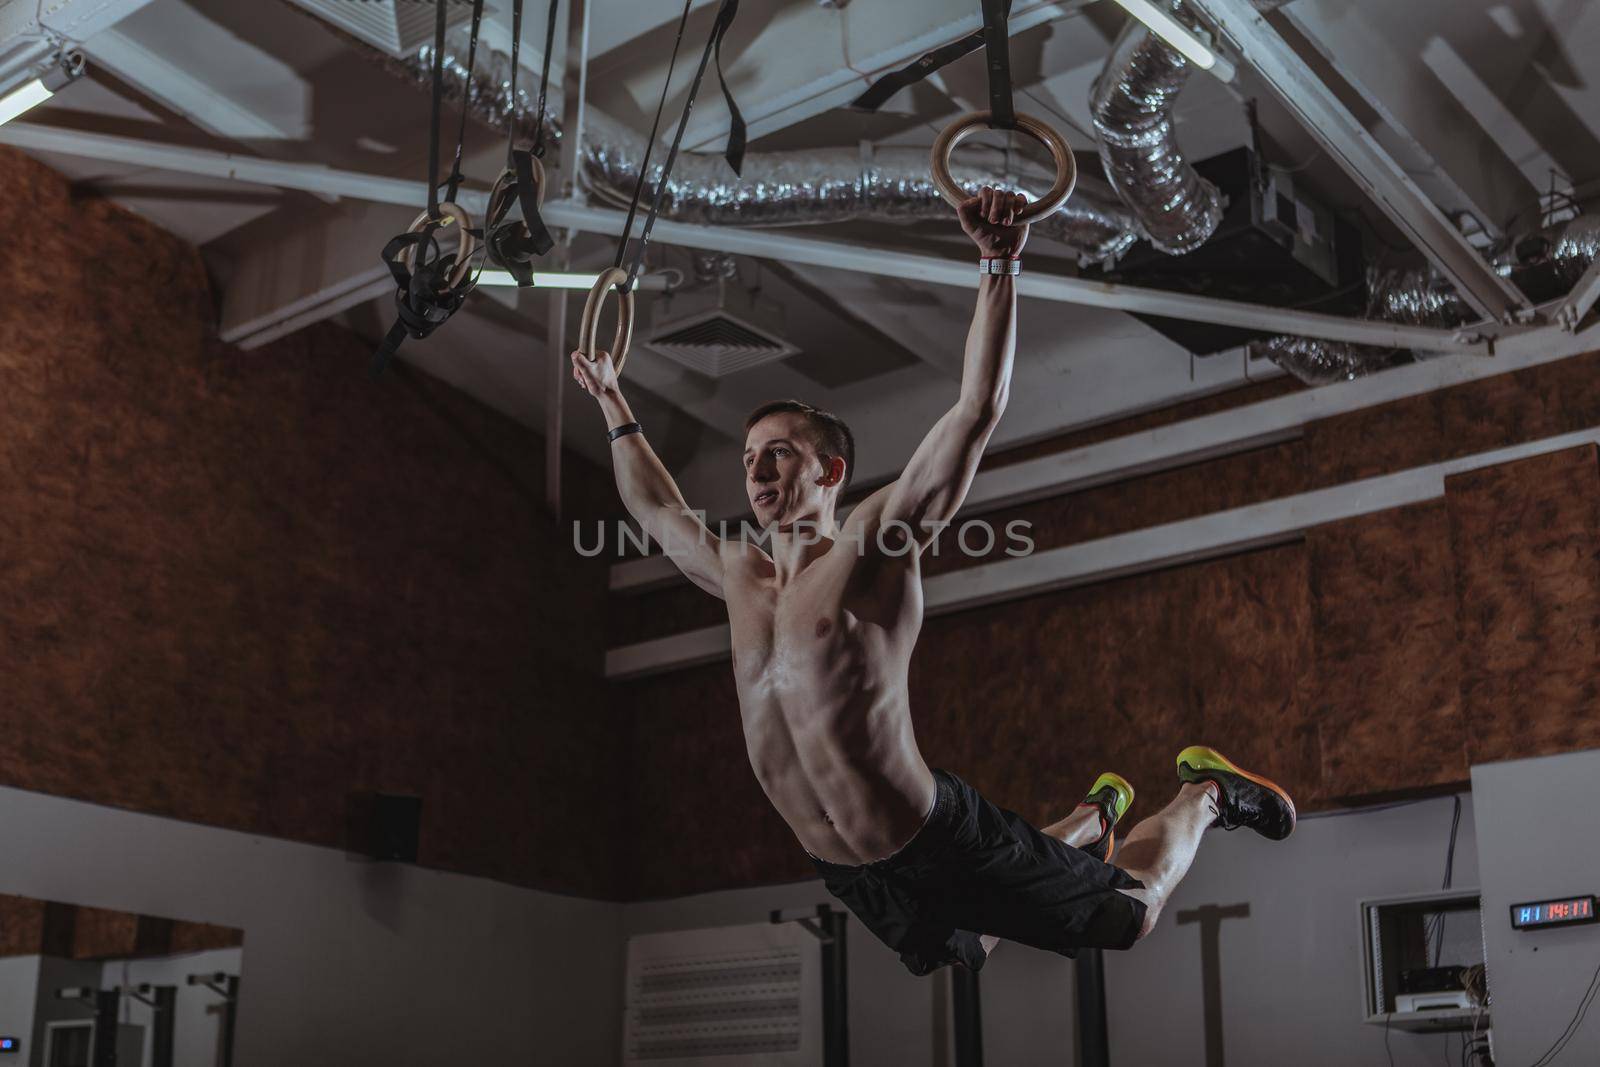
column 1112, row 796
column 1244, row 799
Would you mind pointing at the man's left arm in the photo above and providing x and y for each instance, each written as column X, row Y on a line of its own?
column 935, row 481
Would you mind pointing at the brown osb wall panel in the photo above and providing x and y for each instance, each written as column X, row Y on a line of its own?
column 1526, row 537
column 1387, row 709
column 21, row 926
column 99, row 934
column 1252, row 393
column 239, row 587
column 199, row 937
column 1028, row 701
column 1167, row 496
column 1525, row 405
column 698, row 819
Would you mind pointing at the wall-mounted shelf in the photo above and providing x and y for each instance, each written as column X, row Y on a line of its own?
column 1431, row 1022
column 1417, row 932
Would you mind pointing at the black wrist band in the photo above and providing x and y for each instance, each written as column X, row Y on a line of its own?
column 624, row 430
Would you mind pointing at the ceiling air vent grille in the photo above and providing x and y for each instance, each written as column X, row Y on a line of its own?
column 716, row 344
column 399, row 27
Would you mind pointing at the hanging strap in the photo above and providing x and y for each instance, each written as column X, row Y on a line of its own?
column 544, row 78
column 466, row 100
column 424, row 298
column 438, row 104
column 881, row 91
column 997, row 52
column 725, row 16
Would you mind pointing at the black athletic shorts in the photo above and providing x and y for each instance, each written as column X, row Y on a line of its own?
column 975, row 868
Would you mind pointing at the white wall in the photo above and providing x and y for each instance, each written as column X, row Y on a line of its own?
column 350, row 962
column 1291, row 972
column 1537, row 825
column 19, row 983
column 197, row 1019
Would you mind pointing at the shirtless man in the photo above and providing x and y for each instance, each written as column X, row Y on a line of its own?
column 824, row 622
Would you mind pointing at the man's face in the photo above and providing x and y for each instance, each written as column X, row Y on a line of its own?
column 784, row 475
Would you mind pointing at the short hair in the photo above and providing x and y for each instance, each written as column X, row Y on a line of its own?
column 831, row 436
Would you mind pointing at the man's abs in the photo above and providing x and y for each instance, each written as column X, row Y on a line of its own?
column 845, row 801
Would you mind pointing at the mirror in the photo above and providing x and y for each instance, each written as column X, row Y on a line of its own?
column 87, row 987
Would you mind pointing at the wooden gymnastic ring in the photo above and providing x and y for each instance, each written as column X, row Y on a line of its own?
column 508, row 177
column 465, row 245
column 590, row 324
column 957, row 131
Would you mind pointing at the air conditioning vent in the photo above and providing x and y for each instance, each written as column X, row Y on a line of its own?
column 716, row 344
column 399, row 27
column 726, row 995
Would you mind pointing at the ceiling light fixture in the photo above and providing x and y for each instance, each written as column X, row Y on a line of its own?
column 571, row 281
column 66, row 68
column 1164, row 26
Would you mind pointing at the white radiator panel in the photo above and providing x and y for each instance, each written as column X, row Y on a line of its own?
column 724, row 995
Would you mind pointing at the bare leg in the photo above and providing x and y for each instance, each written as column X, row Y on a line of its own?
column 1160, row 849
column 1080, row 827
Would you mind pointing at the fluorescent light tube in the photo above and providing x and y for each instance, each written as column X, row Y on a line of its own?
column 29, row 94
column 565, row 281
column 1164, row 26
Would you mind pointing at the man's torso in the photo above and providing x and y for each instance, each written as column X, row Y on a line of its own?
column 821, row 668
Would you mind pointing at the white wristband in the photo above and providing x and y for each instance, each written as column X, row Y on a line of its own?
column 1000, row 265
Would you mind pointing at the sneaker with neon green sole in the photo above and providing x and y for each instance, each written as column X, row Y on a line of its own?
column 1243, row 799
column 1112, row 796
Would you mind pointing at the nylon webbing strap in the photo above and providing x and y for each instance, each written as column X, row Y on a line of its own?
column 650, row 142
column 466, row 100
column 725, row 16
column 438, row 104
column 516, row 55
column 515, row 243
column 544, row 78
column 997, row 53
column 424, row 298
column 881, row 91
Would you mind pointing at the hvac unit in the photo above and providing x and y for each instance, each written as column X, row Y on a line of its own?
column 1276, row 245
column 718, row 330
column 399, row 27
column 730, row 994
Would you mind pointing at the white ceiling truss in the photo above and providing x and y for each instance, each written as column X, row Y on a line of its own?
column 1426, row 161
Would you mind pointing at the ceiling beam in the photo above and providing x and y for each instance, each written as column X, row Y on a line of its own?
column 1581, row 300
column 1344, row 138
column 1461, row 164
column 208, row 106
column 765, row 244
column 1138, row 552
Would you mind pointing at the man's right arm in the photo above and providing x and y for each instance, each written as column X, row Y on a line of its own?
column 647, row 490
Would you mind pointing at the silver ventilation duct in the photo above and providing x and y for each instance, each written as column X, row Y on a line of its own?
column 1132, row 107
column 1422, row 297
column 778, row 188
column 808, row 188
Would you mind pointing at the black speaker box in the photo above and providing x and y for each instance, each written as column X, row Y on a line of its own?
column 396, row 822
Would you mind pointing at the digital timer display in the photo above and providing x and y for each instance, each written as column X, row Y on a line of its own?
column 1564, row 912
